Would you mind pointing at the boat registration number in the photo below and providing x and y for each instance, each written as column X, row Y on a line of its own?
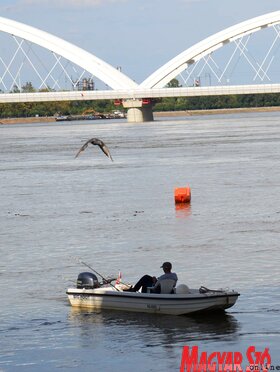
column 81, row 296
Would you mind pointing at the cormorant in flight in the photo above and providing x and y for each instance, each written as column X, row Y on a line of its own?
column 98, row 142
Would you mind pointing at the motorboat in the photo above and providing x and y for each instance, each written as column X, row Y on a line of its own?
column 96, row 296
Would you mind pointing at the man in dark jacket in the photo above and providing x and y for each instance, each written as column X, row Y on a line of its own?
column 152, row 281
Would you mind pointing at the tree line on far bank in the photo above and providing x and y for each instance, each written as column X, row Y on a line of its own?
column 218, row 102
column 21, row 110
column 9, row 110
column 215, row 102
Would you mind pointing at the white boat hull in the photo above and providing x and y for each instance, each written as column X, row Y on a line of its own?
column 174, row 304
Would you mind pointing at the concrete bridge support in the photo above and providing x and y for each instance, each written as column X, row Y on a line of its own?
column 139, row 110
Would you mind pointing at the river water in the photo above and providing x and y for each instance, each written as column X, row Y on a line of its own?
column 120, row 216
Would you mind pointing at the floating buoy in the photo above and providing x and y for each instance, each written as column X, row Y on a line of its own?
column 182, row 195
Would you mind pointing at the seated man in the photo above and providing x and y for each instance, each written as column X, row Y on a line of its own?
column 152, row 281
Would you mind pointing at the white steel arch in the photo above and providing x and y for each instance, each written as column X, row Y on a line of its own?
column 97, row 67
column 175, row 66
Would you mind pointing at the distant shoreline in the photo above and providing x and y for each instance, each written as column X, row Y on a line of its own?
column 29, row 120
column 216, row 111
column 49, row 119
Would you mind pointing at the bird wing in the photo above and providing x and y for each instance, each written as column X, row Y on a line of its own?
column 98, row 142
column 106, row 151
column 85, row 145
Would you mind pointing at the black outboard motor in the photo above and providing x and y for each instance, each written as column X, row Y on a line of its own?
column 87, row 280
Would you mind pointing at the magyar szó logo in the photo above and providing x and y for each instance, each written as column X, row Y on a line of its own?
column 227, row 361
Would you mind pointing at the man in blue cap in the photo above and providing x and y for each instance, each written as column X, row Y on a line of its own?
column 152, row 281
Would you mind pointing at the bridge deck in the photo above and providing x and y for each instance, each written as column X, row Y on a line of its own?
column 139, row 93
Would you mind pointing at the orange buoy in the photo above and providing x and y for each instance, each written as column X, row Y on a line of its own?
column 182, row 195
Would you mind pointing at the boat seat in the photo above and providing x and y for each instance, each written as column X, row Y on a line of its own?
column 166, row 286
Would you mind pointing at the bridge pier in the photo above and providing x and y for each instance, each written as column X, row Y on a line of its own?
column 138, row 110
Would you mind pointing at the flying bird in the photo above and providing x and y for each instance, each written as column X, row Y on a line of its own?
column 98, row 142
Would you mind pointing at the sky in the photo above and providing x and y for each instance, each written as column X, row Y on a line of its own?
column 138, row 35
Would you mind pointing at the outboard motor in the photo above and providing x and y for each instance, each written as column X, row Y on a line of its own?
column 87, row 280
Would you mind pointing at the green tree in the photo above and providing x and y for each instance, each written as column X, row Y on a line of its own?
column 15, row 89
column 174, row 83
column 28, row 88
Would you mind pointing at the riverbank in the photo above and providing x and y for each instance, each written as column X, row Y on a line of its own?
column 216, row 111
column 46, row 119
column 30, row 120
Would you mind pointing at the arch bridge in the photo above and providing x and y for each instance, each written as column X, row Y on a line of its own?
column 209, row 67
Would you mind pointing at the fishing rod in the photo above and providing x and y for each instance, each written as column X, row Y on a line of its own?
column 101, row 276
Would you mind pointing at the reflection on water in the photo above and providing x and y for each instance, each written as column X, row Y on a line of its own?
column 166, row 330
column 183, row 210
column 150, row 342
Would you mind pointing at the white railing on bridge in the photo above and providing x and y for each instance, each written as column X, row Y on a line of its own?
column 139, row 93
